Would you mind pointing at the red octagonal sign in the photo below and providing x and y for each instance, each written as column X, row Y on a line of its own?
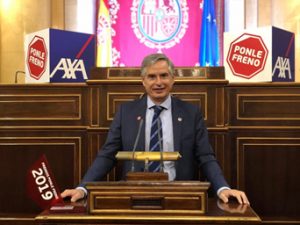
column 37, row 57
column 247, row 55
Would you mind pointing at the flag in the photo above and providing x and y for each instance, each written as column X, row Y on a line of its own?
column 104, row 41
column 209, row 45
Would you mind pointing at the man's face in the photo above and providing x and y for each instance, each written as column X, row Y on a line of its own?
column 158, row 81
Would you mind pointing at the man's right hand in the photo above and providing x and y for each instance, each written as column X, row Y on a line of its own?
column 74, row 194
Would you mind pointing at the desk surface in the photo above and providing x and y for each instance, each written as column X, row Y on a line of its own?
column 217, row 213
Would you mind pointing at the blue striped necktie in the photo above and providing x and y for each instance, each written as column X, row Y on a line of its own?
column 156, row 141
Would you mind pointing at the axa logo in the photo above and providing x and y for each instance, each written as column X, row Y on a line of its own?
column 282, row 68
column 70, row 69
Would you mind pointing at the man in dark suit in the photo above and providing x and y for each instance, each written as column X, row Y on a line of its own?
column 183, row 130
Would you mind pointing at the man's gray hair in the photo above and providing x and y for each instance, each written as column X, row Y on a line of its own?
column 152, row 59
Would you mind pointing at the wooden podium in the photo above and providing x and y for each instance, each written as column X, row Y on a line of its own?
column 217, row 213
column 147, row 199
column 147, row 194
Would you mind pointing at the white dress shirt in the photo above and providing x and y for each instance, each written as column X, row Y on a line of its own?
column 167, row 131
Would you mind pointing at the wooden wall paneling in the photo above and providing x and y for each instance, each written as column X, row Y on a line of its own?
column 42, row 105
column 219, row 142
column 38, row 119
column 208, row 96
column 263, row 123
column 264, row 105
column 20, row 148
column 267, row 166
column 96, row 139
column 95, row 105
column 221, row 107
column 114, row 95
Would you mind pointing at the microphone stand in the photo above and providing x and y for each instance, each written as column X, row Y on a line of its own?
column 135, row 144
column 146, row 175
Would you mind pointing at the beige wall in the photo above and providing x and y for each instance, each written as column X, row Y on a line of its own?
column 19, row 17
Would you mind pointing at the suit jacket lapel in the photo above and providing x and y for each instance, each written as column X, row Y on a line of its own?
column 140, row 112
column 177, row 117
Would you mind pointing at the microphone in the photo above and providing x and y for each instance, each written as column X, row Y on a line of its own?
column 160, row 147
column 136, row 142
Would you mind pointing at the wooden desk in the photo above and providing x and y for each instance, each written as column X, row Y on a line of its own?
column 240, row 214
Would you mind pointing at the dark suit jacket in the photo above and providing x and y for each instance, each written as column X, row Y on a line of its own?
column 190, row 139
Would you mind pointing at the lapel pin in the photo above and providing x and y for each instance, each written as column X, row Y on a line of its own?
column 139, row 118
column 179, row 119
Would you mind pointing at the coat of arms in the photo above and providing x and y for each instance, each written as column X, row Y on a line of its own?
column 159, row 23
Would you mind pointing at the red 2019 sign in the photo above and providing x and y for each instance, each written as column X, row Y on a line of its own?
column 41, row 186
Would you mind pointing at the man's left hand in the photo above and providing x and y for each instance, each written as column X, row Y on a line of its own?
column 240, row 196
